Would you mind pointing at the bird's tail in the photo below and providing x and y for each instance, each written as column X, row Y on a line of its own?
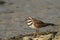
column 51, row 24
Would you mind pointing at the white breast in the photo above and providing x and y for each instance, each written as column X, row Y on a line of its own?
column 32, row 26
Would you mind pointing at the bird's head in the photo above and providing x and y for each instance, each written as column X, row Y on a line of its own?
column 28, row 18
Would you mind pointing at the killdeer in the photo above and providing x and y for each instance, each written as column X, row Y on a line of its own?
column 36, row 24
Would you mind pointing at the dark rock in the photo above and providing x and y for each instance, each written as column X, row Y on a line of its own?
column 2, row 2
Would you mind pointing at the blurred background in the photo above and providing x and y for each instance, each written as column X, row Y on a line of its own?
column 14, row 12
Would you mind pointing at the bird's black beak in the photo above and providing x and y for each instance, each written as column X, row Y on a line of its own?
column 26, row 18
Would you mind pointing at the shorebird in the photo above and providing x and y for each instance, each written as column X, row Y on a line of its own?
column 36, row 24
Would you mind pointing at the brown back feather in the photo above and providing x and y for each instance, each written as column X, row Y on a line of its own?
column 37, row 23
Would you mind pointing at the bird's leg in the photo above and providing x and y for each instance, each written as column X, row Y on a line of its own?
column 34, row 35
column 37, row 32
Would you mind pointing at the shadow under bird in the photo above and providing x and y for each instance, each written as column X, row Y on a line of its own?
column 36, row 24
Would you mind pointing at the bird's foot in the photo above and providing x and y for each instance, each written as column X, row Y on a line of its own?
column 36, row 35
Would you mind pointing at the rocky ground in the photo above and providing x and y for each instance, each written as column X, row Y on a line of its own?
column 14, row 12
